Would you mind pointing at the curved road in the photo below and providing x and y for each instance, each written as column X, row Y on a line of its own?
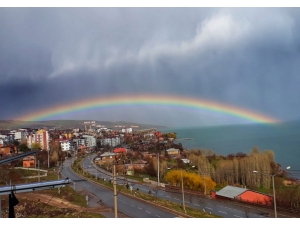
column 126, row 205
column 212, row 206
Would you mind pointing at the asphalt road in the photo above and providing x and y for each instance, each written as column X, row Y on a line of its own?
column 212, row 206
column 128, row 206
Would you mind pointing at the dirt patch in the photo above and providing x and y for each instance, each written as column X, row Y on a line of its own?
column 37, row 205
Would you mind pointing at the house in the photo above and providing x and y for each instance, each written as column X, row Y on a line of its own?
column 7, row 150
column 140, row 164
column 119, row 151
column 173, row 153
column 129, row 169
column 106, row 157
column 29, row 162
column 243, row 194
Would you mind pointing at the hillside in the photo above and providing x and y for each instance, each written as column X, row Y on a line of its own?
column 64, row 124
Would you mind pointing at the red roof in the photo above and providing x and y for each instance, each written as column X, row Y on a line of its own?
column 119, row 150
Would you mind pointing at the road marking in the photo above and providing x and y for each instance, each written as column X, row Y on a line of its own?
column 196, row 204
column 148, row 211
column 139, row 208
column 208, row 208
column 168, row 196
column 237, row 216
column 177, row 198
column 132, row 205
column 223, row 212
column 157, row 215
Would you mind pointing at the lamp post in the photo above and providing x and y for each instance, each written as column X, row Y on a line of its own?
column 115, row 191
column 204, row 179
column 158, row 169
column 273, row 184
column 48, row 157
column 182, row 190
column 183, row 204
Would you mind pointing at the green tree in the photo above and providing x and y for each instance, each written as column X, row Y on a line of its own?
column 24, row 148
column 35, row 146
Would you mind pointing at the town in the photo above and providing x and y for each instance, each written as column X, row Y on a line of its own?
column 153, row 156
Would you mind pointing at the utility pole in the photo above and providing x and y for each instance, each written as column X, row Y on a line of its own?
column 48, row 157
column 0, row 207
column 183, row 204
column 274, row 198
column 39, row 179
column 58, row 171
column 115, row 191
column 204, row 185
column 158, row 169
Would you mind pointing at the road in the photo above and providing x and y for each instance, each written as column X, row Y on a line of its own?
column 212, row 206
column 128, row 206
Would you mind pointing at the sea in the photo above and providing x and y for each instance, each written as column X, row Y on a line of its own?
column 282, row 138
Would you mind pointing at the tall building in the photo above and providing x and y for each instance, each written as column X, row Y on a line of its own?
column 90, row 140
column 112, row 141
column 41, row 137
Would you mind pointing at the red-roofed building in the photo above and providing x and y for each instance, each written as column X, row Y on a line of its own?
column 29, row 162
column 120, row 151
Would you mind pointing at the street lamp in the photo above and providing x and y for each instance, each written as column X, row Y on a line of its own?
column 204, row 179
column 182, row 190
column 273, row 183
column 183, row 204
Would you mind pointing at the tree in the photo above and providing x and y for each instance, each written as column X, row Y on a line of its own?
column 24, row 148
column 190, row 180
column 35, row 146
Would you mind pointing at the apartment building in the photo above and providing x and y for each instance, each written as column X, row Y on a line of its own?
column 112, row 141
column 90, row 141
column 41, row 137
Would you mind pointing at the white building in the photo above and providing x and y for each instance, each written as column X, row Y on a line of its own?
column 90, row 140
column 126, row 130
column 66, row 145
column 20, row 134
column 78, row 142
column 6, row 139
column 113, row 141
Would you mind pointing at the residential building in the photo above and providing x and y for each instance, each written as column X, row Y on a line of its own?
column 29, row 162
column 7, row 150
column 126, row 130
column 66, row 145
column 119, row 151
column 173, row 152
column 90, row 141
column 113, row 141
column 106, row 157
column 19, row 134
column 140, row 164
column 78, row 142
column 243, row 194
column 41, row 137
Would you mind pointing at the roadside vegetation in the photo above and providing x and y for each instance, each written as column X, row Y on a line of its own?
column 151, row 198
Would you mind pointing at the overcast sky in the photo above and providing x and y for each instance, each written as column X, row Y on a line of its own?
column 244, row 57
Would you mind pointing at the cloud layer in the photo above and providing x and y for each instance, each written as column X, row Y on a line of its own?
column 247, row 57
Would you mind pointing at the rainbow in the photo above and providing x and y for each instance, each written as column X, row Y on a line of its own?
column 140, row 100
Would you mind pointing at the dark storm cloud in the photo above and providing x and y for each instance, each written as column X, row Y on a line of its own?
column 248, row 57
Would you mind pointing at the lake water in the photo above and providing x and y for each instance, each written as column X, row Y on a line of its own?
column 283, row 139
